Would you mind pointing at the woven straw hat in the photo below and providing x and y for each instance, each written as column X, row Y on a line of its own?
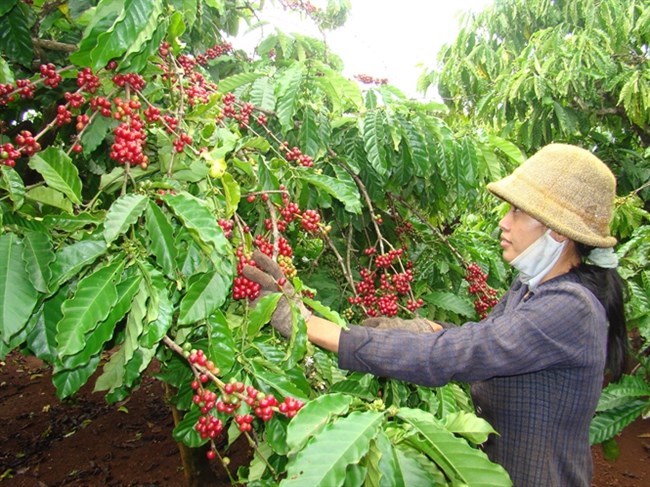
column 566, row 188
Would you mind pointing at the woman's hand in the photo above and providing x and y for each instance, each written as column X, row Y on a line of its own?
column 268, row 274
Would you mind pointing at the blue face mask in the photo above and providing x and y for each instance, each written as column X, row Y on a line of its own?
column 538, row 259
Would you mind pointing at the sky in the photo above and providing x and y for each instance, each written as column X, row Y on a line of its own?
column 395, row 40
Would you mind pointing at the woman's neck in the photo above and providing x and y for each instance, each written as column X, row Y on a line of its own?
column 567, row 261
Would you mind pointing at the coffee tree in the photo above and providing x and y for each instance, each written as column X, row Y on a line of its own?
column 143, row 159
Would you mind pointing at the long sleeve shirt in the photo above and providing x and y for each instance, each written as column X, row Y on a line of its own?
column 536, row 366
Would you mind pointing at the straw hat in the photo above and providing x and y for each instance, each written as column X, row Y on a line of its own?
column 566, row 188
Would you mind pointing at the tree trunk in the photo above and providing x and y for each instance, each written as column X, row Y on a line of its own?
column 196, row 466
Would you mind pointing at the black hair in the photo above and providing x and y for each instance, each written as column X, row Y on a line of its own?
column 608, row 287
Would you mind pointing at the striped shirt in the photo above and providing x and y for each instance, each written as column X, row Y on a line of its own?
column 536, row 367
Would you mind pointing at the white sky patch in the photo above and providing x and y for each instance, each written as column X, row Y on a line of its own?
column 392, row 40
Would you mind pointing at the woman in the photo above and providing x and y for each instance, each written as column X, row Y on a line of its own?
column 536, row 363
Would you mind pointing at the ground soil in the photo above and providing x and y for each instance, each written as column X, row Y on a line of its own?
column 85, row 442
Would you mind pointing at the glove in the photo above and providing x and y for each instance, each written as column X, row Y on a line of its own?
column 267, row 276
column 418, row 325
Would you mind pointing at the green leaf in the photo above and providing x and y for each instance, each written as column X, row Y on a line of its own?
column 279, row 382
column 450, row 302
column 123, row 213
column 38, row 256
column 101, row 19
column 621, row 392
column 184, row 431
column 469, row 426
column 131, row 29
column 157, row 329
column 373, row 137
column 95, row 340
column 17, row 294
column 313, row 417
column 460, row 462
column 7, row 5
column 232, row 193
column 204, row 295
column 508, row 148
column 135, row 323
column 344, row 191
column 6, row 75
column 72, row 258
column 13, row 183
column 309, row 135
column 233, row 82
column 417, row 147
column 608, row 424
column 410, row 468
column 50, row 197
column 95, row 133
column 67, row 382
column 199, row 221
column 153, row 28
column 324, row 460
column 288, row 88
column 360, row 385
column 42, row 339
column 72, row 223
column 221, row 343
column 15, row 36
column 261, row 314
column 138, row 61
column 275, row 432
column 112, row 376
column 262, row 94
column 59, row 172
column 94, row 298
column 161, row 235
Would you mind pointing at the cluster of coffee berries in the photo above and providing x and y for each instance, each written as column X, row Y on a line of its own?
column 242, row 287
column 7, row 93
column 295, row 154
column 310, row 221
column 301, row 6
column 369, row 80
column 63, row 115
column 181, row 141
column 23, row 87
column 8, row 154
column 274, row 242
column 130, row 136
column 102, row 105
column 485, row 298
column 133, row 80
column 226, row 226
column 27, row 143
column 87, row 81
column 385, row 284
column 241, row 112
column 50, row 75
column 128, row 147
column 215, row 406
column 198, row 90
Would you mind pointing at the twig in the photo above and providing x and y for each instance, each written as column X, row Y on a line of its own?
column 433, row 229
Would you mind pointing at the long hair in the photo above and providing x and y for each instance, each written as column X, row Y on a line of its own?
column 607, row 285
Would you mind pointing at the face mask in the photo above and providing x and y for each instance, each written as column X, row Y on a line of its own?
column 538, row 259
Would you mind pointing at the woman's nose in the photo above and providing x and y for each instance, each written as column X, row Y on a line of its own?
column 504, row 223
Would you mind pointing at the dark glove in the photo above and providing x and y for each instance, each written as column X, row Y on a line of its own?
column 419, row 325
column 267, row 276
